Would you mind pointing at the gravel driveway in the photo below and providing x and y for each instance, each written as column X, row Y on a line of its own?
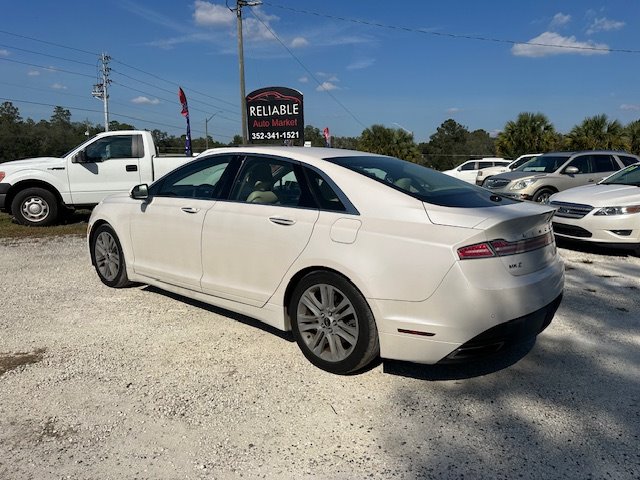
column 97, row 383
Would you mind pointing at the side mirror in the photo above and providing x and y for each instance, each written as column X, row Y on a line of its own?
column 140, row 192
column 571, row 170
column 79, row 157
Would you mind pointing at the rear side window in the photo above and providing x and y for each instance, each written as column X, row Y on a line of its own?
column 485, row 165
column 604, row 163
column 421, row 182
column 628, row 160
column 327, row 197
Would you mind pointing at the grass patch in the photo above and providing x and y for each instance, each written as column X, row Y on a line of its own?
column 74, row 223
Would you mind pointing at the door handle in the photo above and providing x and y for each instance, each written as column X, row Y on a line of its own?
column 281, row 221
column 190, row 210
column 132, row 168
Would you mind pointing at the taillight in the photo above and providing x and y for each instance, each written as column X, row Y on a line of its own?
column 1, row 176
column 502, row 248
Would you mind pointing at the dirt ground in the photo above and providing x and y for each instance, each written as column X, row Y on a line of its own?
column 137, row 383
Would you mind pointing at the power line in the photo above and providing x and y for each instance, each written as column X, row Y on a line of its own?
column 50, row 43
column 169, row 91
column 51, row 69
column 174, row 83
column 450, row 35
column 307, row 70
column 100, row 111
column 47, row 55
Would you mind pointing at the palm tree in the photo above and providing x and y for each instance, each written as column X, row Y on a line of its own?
column 633, row 135
column 530, row 133
column 597, row 133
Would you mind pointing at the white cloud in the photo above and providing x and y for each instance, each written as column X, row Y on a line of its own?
column 303, row 79
column 543, row 46
column 361, row 64
column 454, row 110
column 326, row 87
column 4, row 53
column 630, row 107
column 604, row 25
column 559, row 19
column 141, row 100
column 33, row 73
column 299, row 42
column 58, row 86
column 210, row 14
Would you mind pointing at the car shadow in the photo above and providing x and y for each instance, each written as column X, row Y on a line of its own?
column 459, row 371
column 244, row 319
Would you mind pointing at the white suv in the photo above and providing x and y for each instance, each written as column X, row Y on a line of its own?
column 489, row 172
column 468, row 171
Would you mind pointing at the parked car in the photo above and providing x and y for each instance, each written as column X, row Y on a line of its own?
column 358, row 254
column 468, row 171
column 607, row 213
column 36, row 190
column 491, row 171
column 550, row 173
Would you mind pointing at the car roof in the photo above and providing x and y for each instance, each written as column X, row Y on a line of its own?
column 569, row 154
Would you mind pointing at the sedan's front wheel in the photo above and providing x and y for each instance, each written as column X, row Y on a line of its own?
column 333, row 324
column 107, row 257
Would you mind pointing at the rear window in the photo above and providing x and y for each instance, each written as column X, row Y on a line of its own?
column 420, row 182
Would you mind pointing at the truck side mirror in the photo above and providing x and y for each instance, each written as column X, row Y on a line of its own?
column 79, row 157
column 140, row 192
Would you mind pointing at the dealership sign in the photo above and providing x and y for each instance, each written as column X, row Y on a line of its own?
column 275, row 113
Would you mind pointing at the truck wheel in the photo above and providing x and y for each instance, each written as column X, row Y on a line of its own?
column 333, row 324
column 542, row 195
column 35, row 207
column 108, row 258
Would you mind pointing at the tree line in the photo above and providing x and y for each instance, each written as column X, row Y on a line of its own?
column 450, row 145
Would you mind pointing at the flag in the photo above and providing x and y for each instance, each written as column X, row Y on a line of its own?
column 185, row 111
column 327, row 136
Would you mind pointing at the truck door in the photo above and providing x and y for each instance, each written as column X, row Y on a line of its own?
column 109, row 165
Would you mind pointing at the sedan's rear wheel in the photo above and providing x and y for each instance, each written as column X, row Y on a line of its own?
column 333, row 324
column 108, row 259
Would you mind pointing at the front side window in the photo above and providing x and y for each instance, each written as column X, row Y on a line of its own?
column 421, row 182
column 582, row 163
column 117, row 146
column 202, row 179
column 468, row 166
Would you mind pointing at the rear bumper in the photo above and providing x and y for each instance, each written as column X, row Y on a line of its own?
column 506, row 334
column 469, row 311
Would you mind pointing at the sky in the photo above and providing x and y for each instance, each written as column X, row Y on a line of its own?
column 409, row 65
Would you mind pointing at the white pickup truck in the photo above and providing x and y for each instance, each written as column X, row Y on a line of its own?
column 37, row 190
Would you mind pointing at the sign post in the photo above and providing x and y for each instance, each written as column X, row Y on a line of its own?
column 275, row 115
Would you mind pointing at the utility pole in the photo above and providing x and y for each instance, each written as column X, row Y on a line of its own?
column 206, row 131
column 100, row 89
column 243, row 100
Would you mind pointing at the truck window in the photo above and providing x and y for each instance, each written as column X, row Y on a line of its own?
column 117, row 146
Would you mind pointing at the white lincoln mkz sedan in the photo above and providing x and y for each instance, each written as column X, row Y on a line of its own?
column 360, row 255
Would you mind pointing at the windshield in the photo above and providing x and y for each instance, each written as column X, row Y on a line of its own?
column 543, row 164
column 626, row 176
column 420, row 182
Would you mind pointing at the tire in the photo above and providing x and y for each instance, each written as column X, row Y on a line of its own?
column 332, row 323
column 542, row 195
column 107, row 257
column 35, row 207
